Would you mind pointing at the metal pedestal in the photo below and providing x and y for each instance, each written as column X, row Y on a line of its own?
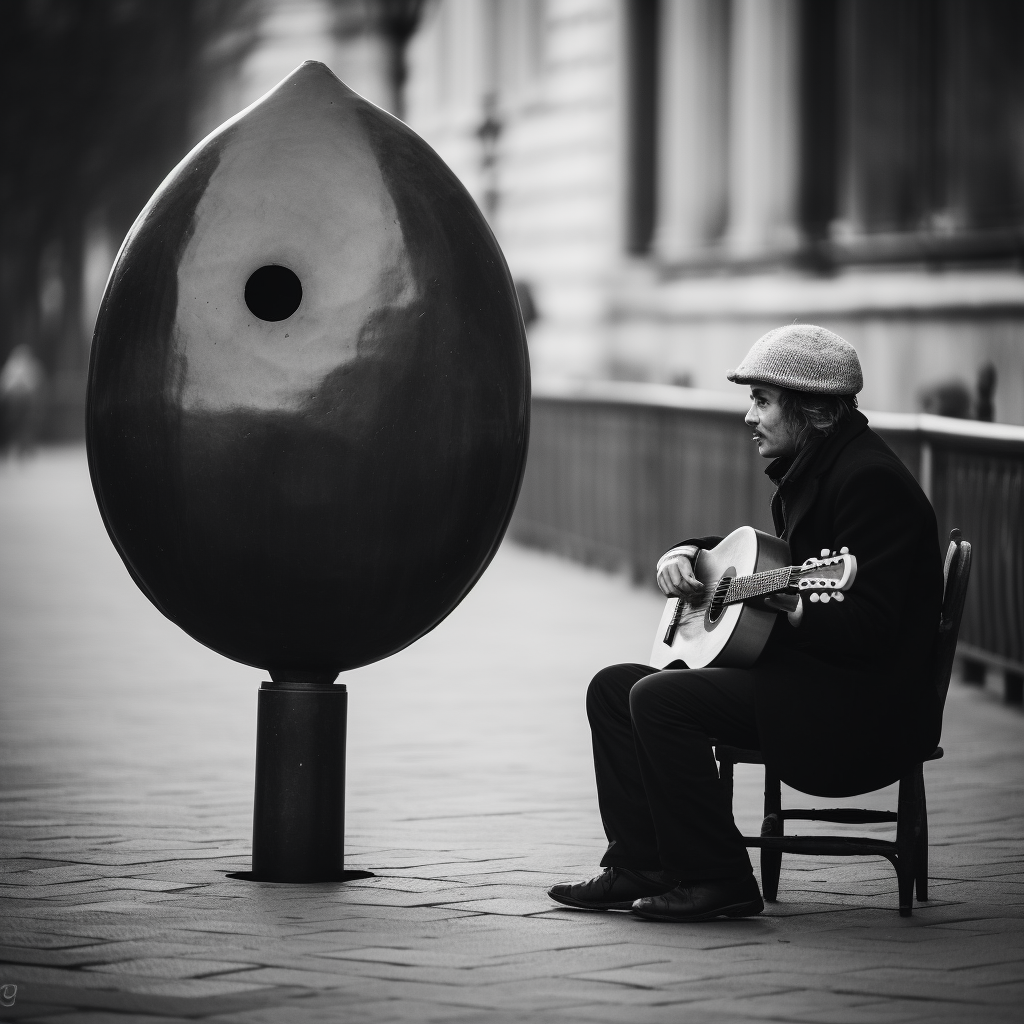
column 298, row 830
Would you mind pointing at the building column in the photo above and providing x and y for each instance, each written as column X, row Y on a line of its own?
column 764, row 127
column 692, row 130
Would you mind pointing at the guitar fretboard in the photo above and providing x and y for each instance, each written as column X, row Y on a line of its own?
column 760, row 583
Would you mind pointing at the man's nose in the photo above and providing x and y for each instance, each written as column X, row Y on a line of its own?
column 751, row 418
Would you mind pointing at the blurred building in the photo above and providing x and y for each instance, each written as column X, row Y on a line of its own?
column 668, row 178
column 361, row 41
column 671, row 178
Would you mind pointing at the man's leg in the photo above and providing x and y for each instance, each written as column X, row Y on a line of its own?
column 625, row 813
column 632, row 869
column 675, row 714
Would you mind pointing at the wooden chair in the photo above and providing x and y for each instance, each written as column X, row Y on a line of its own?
column 909, row 853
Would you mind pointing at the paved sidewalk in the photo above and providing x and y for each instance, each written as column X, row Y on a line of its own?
column 127, row 753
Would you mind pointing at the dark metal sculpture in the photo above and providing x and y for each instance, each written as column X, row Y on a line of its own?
column 309, row 391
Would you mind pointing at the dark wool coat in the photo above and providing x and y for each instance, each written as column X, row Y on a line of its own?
column 844, row 701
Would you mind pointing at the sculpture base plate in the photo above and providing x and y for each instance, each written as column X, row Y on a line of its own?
column 339, row 876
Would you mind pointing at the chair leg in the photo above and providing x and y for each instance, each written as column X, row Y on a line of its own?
column 908, row 833
column 921, row 850
column 773, row 825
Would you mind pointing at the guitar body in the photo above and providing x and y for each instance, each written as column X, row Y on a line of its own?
column 736, row 637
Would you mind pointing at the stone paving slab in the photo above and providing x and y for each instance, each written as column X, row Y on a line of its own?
column 126, row 768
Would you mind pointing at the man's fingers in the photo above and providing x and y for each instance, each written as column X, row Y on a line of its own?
column 676, row 579
column 669, row 582
column 688, row 583
column 665, row 583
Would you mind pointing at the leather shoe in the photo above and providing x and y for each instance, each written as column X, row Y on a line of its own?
column 703, row 901
column 613, row 889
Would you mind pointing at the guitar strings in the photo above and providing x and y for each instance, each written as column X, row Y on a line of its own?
column 742, row 588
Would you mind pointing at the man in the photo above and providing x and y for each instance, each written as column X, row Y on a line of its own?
column 838, row 700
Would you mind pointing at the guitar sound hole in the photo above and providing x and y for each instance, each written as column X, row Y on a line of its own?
column 718, row 601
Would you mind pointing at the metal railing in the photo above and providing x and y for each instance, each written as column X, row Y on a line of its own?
column 618, row 472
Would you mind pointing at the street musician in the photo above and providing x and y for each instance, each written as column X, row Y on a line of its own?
column 837, row 700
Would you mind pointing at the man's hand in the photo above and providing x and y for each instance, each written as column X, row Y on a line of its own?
column 676, row 578
column 791, row 604
column 782, row 602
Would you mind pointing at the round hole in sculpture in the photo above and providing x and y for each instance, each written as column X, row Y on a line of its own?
column 273, row 293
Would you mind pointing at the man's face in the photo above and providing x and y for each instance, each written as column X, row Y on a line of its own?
column 774, row 433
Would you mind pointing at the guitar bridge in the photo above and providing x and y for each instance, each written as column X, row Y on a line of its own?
column 673, row 623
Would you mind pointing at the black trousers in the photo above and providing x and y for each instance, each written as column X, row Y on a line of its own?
column 662, row 803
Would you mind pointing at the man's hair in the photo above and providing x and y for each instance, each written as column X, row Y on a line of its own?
column 815, row 415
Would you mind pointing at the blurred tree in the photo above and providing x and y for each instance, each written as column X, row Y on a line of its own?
column 98, row 98
column 390, row 21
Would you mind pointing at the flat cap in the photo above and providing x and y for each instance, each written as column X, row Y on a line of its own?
column 802, row 357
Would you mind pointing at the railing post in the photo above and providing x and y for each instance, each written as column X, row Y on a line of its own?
column 925, row 469
column 1013, row 687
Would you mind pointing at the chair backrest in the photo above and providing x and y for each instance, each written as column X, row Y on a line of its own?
column 956, row 573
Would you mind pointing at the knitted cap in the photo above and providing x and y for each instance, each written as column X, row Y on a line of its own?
column 802, row 357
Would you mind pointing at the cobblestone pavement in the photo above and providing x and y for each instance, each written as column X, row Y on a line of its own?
column 127, row 766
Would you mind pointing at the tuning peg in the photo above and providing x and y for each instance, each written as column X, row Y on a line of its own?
column 844, row 550
column 824, row 598
column 824, row 552
column 815, row 597
column 838, row 596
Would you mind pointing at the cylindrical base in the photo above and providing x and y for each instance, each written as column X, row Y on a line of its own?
column 298, row 829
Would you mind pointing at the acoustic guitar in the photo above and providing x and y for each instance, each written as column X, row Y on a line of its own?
column 720, row 628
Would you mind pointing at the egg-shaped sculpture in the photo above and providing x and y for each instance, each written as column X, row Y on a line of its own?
column 308, row 402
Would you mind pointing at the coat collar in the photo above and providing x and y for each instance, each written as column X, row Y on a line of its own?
column 817, row 455
column 789, row 468
column 814, row 459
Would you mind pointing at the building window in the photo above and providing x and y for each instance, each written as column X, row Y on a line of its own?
column 913, row 135
column 901, row 139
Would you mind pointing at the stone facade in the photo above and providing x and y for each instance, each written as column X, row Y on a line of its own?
column 672, row 178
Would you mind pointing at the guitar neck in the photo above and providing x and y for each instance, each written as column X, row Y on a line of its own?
column 760, row 584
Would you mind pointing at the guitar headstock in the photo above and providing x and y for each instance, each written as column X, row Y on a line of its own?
column 829, row 574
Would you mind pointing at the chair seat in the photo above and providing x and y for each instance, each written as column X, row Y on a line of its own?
column 737, row 755
column 740, row 755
